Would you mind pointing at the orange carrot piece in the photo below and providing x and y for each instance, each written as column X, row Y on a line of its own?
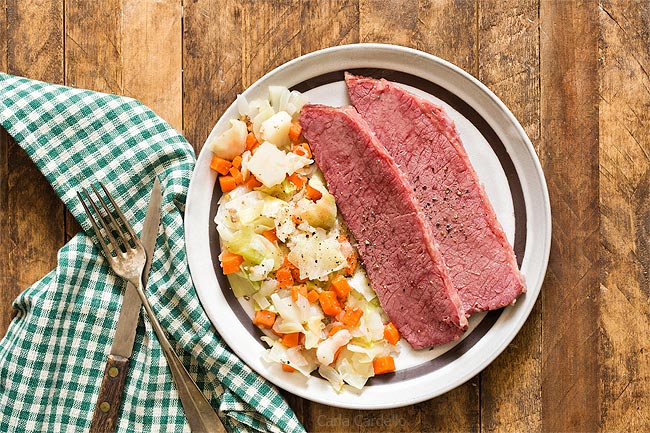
column 336, row 328
column 264, row 318
column 336, row 354
column 270, row 235
column 294, row 131
column 341, row 286
column 297, row 219
column 227, row 183
column 312, row 296
column 312, row 193
column 236, row 174
column 297, row 180
column 252, row 182
column 236, row 162
column 231, row 262
column 391, row 334
column 329, row 303
column 288, row 368
column 302, row 149
column 284, row 277
column 352, row 316
column 251, row 141
column 291, row 340
column 220, row 165
column 295, row 272
column 383, row 364
column 298, row 290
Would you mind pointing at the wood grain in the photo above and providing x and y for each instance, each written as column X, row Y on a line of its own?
column 31, row 234
column 511, row 391
column 625, row 211
column 569, row 126
column 109, row 400
column 212, row 66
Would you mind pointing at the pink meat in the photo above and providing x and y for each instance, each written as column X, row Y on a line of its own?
column 425, row 145
column 394, row 239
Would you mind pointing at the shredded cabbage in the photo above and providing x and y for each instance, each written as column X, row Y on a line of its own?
column 292, row 247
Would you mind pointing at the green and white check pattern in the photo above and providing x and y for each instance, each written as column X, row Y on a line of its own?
column 53, row 356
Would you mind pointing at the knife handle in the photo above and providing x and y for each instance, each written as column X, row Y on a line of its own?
column 110, row 395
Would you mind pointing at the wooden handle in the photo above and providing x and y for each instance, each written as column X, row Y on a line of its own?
column 109, row 400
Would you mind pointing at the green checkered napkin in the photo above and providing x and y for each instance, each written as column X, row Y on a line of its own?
column 53, row 356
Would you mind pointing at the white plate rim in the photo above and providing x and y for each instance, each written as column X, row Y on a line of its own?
column 371, row 55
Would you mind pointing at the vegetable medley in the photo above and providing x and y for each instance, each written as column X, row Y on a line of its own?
column 285, row 249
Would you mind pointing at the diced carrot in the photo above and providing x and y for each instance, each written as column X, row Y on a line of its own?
column 391, row 334
column 352, row 316
column 336, row 328
column 297, row 180
column 288, row 368
column 252, row 182
column 302, row 149
column 227, row 183
column 383, row 364
column 297, row 219
column 284, row 277
column 231, row 262
column 270, row 235
column 336, row 354
column 220, row 165
column 329, row 303
column 290, row 340
column 236, row 174
column 294, row 131
column 341, row 286
column 312, row 296
column 352, row 264
column 264, row 318
column 251, row 141
column 236, row 162
column 295, row 272
column 298, row 290
column 312, row 193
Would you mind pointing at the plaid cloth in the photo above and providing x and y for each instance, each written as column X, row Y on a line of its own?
column 53, row 356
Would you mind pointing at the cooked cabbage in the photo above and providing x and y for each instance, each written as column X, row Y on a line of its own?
column 232, row 142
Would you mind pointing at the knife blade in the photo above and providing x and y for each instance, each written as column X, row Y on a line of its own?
column 110, row 394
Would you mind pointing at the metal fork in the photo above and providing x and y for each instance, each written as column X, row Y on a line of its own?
column 127, row 258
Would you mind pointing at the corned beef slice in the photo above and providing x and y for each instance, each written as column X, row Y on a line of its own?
column 425, row 145
column 394, row 240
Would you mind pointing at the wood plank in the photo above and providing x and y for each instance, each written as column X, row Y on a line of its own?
column 32, row 234
column 625, row 209
column 271, row 32
column 212, row 62
column 136, row 51
column 3, row 36
column 92, row 62
column 511, row 391
column 152, row 56
column 569, row 156
column 447, row 30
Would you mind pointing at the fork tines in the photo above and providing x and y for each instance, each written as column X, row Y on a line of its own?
column 118, row 236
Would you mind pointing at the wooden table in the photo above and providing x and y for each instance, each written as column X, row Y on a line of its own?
column 574, row 74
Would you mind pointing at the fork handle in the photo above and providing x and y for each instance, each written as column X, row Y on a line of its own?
column 199, row 413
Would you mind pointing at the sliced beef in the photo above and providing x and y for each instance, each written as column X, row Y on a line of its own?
column 393, row 237
column 425, row 145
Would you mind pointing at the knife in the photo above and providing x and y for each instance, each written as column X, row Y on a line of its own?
column 110, row 395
